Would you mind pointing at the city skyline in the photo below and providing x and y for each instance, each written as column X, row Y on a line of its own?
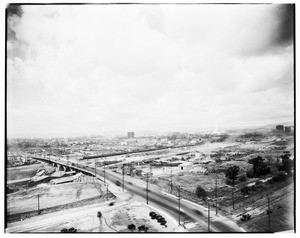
column 101, row 68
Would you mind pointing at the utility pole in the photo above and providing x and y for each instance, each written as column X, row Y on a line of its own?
column 147, row 188
column 150, row 173
column 104, row 172
column 123, row 177
column 95, row 169
column 179, row 197
column 39, row 205
column 171, row 180
column 233, row 194
column 106, row 191
column 216, row 192
column 269, row 214
column 208, row 217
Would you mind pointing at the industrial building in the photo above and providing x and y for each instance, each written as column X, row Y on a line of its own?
column 280, row 127
column 130, row 134
column 287, row 129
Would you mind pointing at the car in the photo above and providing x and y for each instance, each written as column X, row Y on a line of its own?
column 64, row 230
column 72, row 230
column 118, row 183
column 152, row 213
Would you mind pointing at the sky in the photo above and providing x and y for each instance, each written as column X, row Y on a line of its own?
column 88, row 69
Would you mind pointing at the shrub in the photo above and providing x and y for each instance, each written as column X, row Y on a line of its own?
column 242, row 178
column 259, row 183
column 131, row 227
column 250, row 174
column 245, row 190
column 200, row 192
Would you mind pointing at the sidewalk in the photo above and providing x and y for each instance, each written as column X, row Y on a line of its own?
column 213, row 216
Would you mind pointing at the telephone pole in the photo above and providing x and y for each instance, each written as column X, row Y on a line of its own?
column 106, row 191
column 269, row 214
column 147, row 180
column 171, row 180
column 95, row 171
column 123, row 176
column 150, row 173
column 208, row 217
column 179, row 197
column 104, row 172
column 39, row 204
column 216, row 194
column 232, row 194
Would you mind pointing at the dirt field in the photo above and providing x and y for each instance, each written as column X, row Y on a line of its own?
column 23, row 171
column 51, row 195
column 114, row 219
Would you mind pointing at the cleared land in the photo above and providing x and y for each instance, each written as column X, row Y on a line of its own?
column 51, row 196
column 114, row 219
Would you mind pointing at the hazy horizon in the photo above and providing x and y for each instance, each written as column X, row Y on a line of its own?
column 91, row 69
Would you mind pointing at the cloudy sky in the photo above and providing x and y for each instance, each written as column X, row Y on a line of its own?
column 81, row 69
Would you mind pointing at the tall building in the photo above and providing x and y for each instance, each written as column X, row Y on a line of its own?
column 279, row 127
column 130, row 134
column 287, row 129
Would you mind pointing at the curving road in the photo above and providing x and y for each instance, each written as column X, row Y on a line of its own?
column 170, row 203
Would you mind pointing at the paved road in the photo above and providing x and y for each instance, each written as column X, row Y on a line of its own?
column 170, row 203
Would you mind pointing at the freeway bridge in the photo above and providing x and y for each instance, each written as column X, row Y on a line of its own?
column 157, row 198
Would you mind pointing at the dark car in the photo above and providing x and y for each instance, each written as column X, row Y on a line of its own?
column 118, row 183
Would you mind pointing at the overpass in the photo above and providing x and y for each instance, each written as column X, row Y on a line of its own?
column 61, row 166
column 159, row 199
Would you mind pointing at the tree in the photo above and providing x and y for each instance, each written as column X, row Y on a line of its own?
column 200, row 192
column 287, row 164
column 243, row 178
column 259, row 167
column 245, row 190
column 131, row 227
column 232, row 172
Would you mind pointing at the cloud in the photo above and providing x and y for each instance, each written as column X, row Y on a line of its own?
column 97, row 68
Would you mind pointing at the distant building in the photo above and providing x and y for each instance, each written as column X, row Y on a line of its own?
column 279, row 127
column 287, row 129
column 130, row 134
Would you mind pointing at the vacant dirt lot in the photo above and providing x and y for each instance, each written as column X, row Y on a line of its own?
column 51, row 195
column 114, row 219
column 23, row 171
